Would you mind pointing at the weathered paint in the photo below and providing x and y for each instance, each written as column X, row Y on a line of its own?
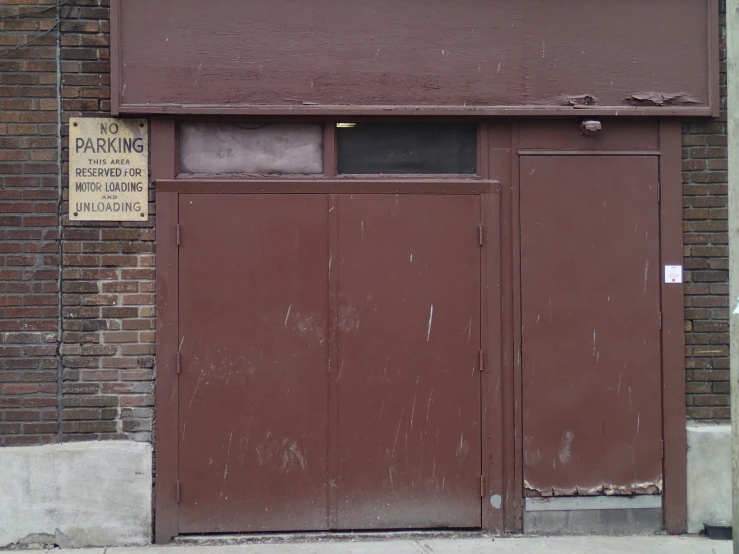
column 591, row 325
column 329, row 56
column 409, row 440
column 304, row 404
column 252, row 389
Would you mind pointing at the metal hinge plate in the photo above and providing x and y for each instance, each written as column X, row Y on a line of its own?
column 482, row 360
column 179, row 363
column 481, row 234
column 179, row 233
column 177, row 492
column 482, row 486
column 660, row 320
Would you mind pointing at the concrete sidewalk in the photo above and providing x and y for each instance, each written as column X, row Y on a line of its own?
column 527, row 545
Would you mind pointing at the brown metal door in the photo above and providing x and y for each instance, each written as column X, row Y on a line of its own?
column 409, row 451
column 253, row 339
column 590, row 292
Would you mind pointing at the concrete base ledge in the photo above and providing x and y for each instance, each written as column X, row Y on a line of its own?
column 100, row 493
column 76, row 494
column 568, row 503
column 709, row 475
column 482, row 545
column 613, row 522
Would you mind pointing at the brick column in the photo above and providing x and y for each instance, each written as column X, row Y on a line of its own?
column 29, row 248
column 706, row 240
column 108, row 270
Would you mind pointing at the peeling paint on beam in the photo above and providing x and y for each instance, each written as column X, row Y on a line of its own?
column 660, row 99
column 580, row 100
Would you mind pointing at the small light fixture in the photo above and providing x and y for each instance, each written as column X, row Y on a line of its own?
column 345, row 125
column 590, row 127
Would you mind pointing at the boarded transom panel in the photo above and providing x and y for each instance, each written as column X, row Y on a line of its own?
column 590, row 291
column 220, row 148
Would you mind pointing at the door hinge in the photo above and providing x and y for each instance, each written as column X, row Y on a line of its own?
column 482, row 486
column 662, row 448
column 177, row 492
column 482, row 360
column 179, row 363
column 179, row 233
column 659, row 193
column 481, row 234
column 660, row 320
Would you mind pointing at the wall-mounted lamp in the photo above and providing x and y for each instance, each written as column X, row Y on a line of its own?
column 590, row 127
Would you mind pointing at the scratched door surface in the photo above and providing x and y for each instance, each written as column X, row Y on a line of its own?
column 590, row 292
column 408, row 350
column 253, row 384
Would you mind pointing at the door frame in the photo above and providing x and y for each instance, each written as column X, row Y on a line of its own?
column 500, row 144
column 673, row 331
column 169, row 187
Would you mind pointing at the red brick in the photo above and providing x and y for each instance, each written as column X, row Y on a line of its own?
column 11, row 389
column 121, row 336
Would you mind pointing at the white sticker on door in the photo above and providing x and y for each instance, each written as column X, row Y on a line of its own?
column 673, row 274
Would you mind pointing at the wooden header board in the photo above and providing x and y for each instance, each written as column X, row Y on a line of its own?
column 416, row 57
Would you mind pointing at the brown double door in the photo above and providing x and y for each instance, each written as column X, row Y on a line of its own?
column 329, row 362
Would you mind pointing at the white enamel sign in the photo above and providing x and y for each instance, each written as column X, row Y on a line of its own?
column 108, row 169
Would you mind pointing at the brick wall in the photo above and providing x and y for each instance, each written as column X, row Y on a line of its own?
column 706, row 260
column 29, row 226
column 108, row 270
column 101, row 364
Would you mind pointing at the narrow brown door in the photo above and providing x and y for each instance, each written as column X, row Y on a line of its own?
column 408, row 373
column 590, row 291
column 253, row 384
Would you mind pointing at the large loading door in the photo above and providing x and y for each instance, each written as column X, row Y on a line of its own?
column 590, row 292
column 329, row 374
